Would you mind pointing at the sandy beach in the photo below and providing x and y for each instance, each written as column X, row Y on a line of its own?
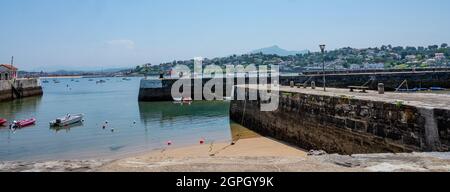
column 255, row 154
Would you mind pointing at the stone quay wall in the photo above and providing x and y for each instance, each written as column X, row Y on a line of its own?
column 24, row 87
column 391, row 80
column 160, row 90
column 346, row 125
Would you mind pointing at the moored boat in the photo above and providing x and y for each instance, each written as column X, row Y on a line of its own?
column 23, row 123
column 3, row 121
column 437, row 89
column 67, row 120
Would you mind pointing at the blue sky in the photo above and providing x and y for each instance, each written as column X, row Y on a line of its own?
column 91, row 34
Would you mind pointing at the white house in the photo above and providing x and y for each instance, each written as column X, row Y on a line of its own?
column 7, row 72
column 439, row 56
column 374, row 66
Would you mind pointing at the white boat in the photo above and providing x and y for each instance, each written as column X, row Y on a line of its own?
column 67, row 120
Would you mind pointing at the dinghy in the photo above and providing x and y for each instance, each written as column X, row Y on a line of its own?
column 2, row 121
column 67, row 120
column 23, row 123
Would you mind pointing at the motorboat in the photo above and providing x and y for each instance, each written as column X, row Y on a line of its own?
column 66, row 128
column 23, row 123
column 101, row 81
column 67, row 120
column 3, row 121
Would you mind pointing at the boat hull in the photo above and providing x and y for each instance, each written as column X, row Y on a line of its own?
column 2, row 122
column 67, row 120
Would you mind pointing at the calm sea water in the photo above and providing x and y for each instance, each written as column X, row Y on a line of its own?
column 116, row 102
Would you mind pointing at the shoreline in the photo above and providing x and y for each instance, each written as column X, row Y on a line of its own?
column 259, row 154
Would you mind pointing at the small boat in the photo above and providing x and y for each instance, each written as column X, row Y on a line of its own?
column 126, row 79
column 67, row 120
column 45, row 81
column 437, row 89
column 183, row 100
column 90, row 80
column 101, row 81
column 3, row 121
column 23, row 123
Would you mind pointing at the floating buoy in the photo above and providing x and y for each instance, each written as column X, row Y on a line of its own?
column 134, row 122
column 104, row 126
column 169, row 143
column 112, row 129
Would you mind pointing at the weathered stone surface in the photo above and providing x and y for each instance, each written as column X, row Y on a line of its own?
column 347, row 124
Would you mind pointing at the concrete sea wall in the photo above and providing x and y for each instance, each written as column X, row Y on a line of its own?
column 23, row 88
column 348, row 125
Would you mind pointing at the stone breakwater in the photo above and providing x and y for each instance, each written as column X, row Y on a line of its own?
column 160, row 90
column 339, row 121
column 391, row 80
column 19, row 88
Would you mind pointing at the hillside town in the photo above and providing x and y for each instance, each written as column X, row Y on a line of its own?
column 384, row 57
column 343, row 59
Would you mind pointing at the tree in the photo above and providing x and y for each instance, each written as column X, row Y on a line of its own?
column 444, row 45
column 433, row 47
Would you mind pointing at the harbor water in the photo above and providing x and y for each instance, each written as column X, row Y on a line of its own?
column 132, row 127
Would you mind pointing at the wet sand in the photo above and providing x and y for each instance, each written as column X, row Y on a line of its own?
column 246, row 155
column 250, row 154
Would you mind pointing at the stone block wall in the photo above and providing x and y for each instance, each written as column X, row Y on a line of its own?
column 26, row 87
column 347, row 126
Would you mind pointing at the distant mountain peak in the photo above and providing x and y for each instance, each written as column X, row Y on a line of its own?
column 276, row 50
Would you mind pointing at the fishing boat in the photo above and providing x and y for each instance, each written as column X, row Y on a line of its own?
column 67, row 120
column 2, row 121
column 23, row 123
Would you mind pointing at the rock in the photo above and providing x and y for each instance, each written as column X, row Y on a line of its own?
column 316, row 153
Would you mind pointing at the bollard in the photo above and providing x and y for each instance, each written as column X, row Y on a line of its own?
column 292, row 84
column 380, row 88
column 313, row 85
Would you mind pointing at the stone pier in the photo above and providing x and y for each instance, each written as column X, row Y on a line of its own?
column 339, row 121
column 19, row 88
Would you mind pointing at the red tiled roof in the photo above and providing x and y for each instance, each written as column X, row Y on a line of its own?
column 8, row 66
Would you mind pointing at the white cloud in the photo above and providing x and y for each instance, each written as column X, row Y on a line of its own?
column 122, row 43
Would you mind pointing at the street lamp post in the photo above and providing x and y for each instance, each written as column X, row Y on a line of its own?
column 322, row 49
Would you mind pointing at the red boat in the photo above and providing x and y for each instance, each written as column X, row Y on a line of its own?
column 24, row 123
column 2, row 121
